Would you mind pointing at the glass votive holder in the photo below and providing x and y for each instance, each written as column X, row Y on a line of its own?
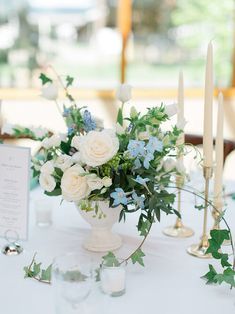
column 72, row 281
column 43, row 212
column 113, row 278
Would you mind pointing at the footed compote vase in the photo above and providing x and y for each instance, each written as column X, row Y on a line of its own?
column 101, row 220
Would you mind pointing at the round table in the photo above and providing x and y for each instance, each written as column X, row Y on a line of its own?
column 169, row 283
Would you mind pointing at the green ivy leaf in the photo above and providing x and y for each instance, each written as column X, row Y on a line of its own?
column 45, row 79
column 28, row 272
column 145, row 225
column 220, row 235
column 227, row 276
column 210, row 276
column 36, row 269
column 199, row 207
column 110, row 260
column 224, row 260
column 137, row 257
column 69, row 81
column 46, row 273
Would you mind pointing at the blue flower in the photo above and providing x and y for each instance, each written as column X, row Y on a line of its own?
column 137, row 163
column 141, row 180
column 148, row 156
column 70, row 130
column 154, row 144
column 89, row 123
column 139, row 200
column 136, row 147
column 66, row 112
column 119, row 197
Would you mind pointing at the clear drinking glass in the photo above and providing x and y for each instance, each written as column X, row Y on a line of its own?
column 72, row 280
column 43, row 212
column 113, row 279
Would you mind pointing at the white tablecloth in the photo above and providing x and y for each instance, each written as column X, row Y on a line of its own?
column 168, row 284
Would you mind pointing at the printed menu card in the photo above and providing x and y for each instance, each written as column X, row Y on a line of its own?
column 14, row 190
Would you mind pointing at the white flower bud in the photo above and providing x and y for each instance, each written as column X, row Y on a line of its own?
column 50, row 91
column 107, row 182
column 124, row 93
column 171, row 110
column 133, row 112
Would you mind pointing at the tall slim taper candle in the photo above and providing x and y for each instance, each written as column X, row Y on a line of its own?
column 200, row 250
column 179, row 230
column 219, row 155
column 208, row 112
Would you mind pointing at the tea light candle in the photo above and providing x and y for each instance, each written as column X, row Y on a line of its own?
column 113, row 280
column 43, row 212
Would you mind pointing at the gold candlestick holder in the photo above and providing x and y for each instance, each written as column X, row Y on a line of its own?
column 178, row 230
column 216, row 214
column 199, row 250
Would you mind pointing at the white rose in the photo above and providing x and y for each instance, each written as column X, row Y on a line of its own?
column 97, row 148
column 50, row 91
column 94, row 182
column 63, row 162
column 107, row 182
column 124, row 93
column 47, row 182
column 74, row 184
column 76, row 141
column 169, row 164
column 53, row 141
column 76, row 158
column 48, row 167
column 171, row 110
column 8, row 128
column 143, row 136
column 119, row 129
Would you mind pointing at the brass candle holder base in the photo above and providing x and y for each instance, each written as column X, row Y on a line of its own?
column 199, row 250
column 178, row 230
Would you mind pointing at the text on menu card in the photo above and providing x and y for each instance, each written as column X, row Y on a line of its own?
column 14, row 190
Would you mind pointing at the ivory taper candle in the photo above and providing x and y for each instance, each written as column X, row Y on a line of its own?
column 219, row 154
column 208, row 110
column 180, row 109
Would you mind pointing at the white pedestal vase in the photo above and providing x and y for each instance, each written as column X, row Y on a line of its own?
column 101, row 237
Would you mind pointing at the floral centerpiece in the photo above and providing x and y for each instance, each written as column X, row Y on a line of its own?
column 121, row 170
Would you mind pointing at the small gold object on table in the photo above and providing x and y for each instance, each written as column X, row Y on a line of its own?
column 199, row 250
column 178, row 230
